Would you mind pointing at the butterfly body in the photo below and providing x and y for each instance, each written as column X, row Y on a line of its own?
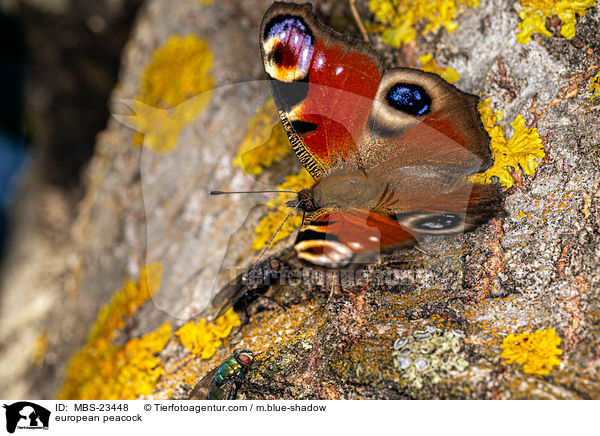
column 390, row 150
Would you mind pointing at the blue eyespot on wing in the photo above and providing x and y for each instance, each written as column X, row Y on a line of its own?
column 409, row 98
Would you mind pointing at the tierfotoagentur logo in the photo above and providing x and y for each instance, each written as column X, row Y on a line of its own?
column 26, row 415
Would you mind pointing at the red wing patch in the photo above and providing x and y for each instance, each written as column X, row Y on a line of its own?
column 323, row 85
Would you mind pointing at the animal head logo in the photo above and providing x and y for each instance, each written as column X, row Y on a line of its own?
column 26, row 415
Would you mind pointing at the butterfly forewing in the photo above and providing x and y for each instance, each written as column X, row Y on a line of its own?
column 323, row 84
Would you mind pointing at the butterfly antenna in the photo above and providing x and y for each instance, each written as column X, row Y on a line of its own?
column 247, row 192
column 358, row 20
column 271, row 241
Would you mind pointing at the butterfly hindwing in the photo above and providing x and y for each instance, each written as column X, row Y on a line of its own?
column 333, row 239
column 424, row 139
column 439, row 122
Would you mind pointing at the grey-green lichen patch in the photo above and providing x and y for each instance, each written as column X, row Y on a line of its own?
column 429, row 355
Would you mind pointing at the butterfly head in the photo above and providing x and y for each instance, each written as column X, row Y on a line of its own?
column 305, row 201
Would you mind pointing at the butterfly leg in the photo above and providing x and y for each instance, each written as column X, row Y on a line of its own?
column 385, row 201
column 335, row 287
column 425, row 252
column 381, row 200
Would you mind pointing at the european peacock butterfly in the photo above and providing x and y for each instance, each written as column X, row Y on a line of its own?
column 390, row 150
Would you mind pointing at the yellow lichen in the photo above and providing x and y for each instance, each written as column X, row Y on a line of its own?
column 536, row 351
column 532, row 21
column 520, row 151
column 108, row 371
column 533, row 15
column 174, row 89
column 202, row 339
column 265, row 143
column 269, row 224
column 125, row 302
column 399, row 18
column 39, row 348
column 429, row 65
column 594, row 87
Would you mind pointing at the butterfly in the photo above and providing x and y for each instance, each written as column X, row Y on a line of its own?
column 390, row 149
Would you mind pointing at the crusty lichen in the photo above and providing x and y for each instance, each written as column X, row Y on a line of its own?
column 105, row 370
column 174, row 89
column 518, row 152
column 594, row 87
column 39, row 348
column 125, row 302
column 265, row 143
column 269, row 224
column 534, row 13
column 202, row 339
column 399, row 18
column 430, row 65
column 538, row 351
column 429, row 356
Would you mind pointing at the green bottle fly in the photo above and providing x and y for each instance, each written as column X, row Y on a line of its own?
column 223, row 381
